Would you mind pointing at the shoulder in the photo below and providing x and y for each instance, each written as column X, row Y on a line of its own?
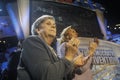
column 32, row 38
column 62, row 46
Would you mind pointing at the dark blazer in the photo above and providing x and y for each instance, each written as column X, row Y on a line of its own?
column 38, row 62
column 12, row 65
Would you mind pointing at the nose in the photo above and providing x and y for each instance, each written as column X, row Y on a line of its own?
column 53, row 26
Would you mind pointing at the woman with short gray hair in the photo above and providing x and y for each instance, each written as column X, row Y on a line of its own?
column 38, row 59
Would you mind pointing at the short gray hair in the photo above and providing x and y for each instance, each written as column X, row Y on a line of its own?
column 38, row 21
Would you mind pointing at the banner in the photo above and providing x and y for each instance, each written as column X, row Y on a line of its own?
column 105, row 59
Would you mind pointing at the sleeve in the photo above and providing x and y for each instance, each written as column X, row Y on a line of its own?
column 61, row 50
column 38, row 63
column 88, row 64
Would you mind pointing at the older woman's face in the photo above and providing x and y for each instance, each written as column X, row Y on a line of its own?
column 48, row 27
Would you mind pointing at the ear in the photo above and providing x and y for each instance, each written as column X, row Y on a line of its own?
column 37, row 30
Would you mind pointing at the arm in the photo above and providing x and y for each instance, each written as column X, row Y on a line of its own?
column 61, row 50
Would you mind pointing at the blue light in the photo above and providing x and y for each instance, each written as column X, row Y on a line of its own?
column 15, row 21
column 108, row 26
column 0, row 10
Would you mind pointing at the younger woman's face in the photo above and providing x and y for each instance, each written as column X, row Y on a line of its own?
column 72, row 33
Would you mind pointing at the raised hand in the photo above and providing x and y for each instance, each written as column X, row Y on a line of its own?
column 92, row 46
column 71, row 48
column 74, row 42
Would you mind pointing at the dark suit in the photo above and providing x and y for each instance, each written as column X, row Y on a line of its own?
column 12, row 65
column 39, row 62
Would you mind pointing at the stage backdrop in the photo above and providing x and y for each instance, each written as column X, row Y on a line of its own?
column 105, row 60
column 84, row 20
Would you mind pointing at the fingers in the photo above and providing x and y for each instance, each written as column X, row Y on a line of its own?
column 74, row 42
column 96, row 41
column 86, row 58
column 72, row 48
column 77, row 43
column 78, row 61
column 92, row 47
column 70, row 51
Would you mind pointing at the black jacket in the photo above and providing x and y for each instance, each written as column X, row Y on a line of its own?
column 38, row 62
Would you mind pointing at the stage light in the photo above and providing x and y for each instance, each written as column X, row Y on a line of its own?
column 0, row 10
column 115, row 28
column 117, row 25
column 108, row 26
column 4, row 41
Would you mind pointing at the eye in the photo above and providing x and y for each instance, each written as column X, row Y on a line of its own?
column 73, row 31
column 48, row 23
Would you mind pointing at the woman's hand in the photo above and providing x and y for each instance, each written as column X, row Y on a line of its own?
column 79, row 61
column 93, row 46
column 71, row 48
column 74, row 42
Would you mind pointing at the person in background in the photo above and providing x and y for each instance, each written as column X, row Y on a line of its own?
column 84, row 69
column 13, row 62
column 3, row 61
column 38, row 59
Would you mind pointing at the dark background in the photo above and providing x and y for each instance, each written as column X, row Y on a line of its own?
column 112, row 13
column 82, row 19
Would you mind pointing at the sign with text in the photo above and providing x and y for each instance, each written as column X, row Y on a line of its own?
column 106, row 53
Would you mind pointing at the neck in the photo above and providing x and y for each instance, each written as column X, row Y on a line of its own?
column 48, row 39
